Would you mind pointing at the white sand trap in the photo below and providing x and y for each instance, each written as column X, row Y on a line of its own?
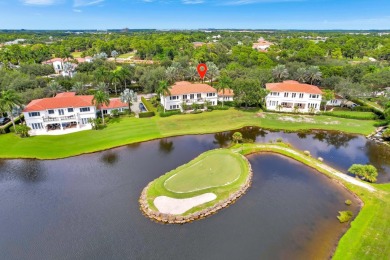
column 174, row 206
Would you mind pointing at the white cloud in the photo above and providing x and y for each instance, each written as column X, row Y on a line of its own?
column 77, row 10
column 40, row 2
column 78, row 3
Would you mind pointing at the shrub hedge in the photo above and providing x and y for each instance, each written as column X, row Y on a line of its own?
column 349, row 115
column 148, row 105
column 146, row 114
column 170, row 113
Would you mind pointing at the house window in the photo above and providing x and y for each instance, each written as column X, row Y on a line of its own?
column 105, row 112
column 34, row 114
column 51, row 111
column 314, row 96
column 174, row 107
column 85, row 109
column 191, row 96
column 198, row 95
column 286, row 94
column 294, row 95
column 70, row 110
column 36, row 126
column 284, row 104
column 173, row 97
column 184, row 97
column 85, row 121
column 210, row 94
column 61, row 112
column 300, row 95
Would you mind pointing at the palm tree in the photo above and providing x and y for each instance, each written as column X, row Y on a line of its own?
column 79, row 88
column 114, row 54
column 313, row 73
column 125, row 74
column 102, row 87
column 237, row 137
column 212, row 71
column 99, row 99
column 54, row 87
column 191, row 73
column 280, row 72
column 224, row 83
column 163, row 90
column 301, row 75
column 115, row 77
column 128, row 96
column 101, row 74
column 8, row 101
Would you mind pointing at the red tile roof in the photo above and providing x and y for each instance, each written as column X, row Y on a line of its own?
column 185, row 87
column 228, row 93
column 62, row 100
column 293, row 86
column 115, row 103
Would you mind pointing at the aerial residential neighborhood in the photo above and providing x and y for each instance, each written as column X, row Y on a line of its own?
column 194, row 129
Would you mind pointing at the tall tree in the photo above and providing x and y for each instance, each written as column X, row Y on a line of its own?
column 313, row 74
column 128, row 97
column 326, row 96
column 224, row 83
column 9, row 100
column 79, row 88
column 300, row 75
column 212, row 71
column 163, row 90
column 53, row 88
column 115, row 78
column 101, row 98
column 280, row 73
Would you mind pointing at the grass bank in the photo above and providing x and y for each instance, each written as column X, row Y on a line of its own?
column 368, row 236
column 131, row 130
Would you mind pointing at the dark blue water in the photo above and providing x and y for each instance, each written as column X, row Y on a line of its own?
column 86, row 207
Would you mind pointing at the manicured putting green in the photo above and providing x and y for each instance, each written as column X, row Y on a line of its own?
column 215, row 169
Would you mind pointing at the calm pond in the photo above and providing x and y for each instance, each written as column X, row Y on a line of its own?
column 86, row 207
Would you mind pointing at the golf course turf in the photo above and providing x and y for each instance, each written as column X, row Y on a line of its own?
column 127, row 130
column 221, row 172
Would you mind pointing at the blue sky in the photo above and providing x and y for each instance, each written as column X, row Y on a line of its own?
column 194, row 14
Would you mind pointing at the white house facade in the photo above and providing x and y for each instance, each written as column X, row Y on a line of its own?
column 225, row 95
column 292, row 96
column 66, row 67
column 64, row 113
column 184, row 92
column 336, row 102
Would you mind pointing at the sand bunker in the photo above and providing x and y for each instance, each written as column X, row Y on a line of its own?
column 169, row 205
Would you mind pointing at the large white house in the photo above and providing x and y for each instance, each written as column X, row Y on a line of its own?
column 64, row 113
column 189, row 93
column 292, row 96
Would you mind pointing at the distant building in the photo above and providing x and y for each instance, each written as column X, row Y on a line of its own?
column 291, row 96
column 262, row 45
column 336, row 102
column 66, row 67
column 198, row 44
column 226, row 95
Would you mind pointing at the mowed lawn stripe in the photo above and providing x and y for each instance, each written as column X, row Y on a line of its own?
column 214, row 170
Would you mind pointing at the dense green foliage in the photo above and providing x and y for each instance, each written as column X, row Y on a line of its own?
column 366, row 172
column 146, row 114
column 345, row 216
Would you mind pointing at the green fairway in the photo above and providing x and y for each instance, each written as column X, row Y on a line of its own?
column 193, row 180
column 214, row 170
column 128, row 130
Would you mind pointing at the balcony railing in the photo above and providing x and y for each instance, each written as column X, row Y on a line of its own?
column 59, row 118
column 195, row 100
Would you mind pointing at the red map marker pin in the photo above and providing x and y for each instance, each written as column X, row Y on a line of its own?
column 202, row 70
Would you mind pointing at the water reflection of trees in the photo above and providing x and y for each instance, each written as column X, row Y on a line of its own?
column 166, row 146
column 379, row 155
column 109, row 158
column 25, row 170
column 333, row 138
column 249, row 134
